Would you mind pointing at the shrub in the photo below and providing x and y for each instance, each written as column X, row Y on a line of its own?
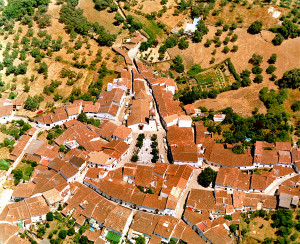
column 278, row 39
column 296, row 106
column 255, row 27
column 272, row 59
column 270, row 69
column 49, row 216
column 233, row 227
column 258, row 78
column 62, row 234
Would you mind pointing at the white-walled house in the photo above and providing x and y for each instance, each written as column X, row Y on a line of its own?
column 6, row 113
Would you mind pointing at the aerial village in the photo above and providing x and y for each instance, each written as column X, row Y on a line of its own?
column 136, row 173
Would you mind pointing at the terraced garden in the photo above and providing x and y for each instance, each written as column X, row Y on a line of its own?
column 214, row 78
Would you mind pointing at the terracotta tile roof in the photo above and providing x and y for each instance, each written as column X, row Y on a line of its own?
column 92, row 235
column 124, row 54
column 115, row 148
column 24, row 190
column 46, row 180
column 178, row 134
column 73, row 109
column 106, row 129
column 69, row 170
column 294, row 191
column 6, row 110
column 91, row 108
column 201, row 200
column 167, row 105
column 117, row 218
column 218, row 235
column 47, row 151
column 77, row 161
column 185, row 233
column 226, row 157
column 196, row 217
column 189, row 108
column 284, row 146
column 165, row 226
column 140, row 112
column 94, row 172
column 89, row 139
column 233, row 177
column 292, row 182
column 254, row 200
column 296, row 154
column 7, row 231
column 18, row 149
column 78, row 153
column 100, row 158
column 144, row 223
column 31, row 131
column 30, row 207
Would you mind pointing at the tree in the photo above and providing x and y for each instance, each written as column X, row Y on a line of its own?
column 18, row 174
column 226, row 50
column 82, row 117
column 296, row 106
column 206, row 177
column 177, row 64
column 119, row 19
column 183, row 43
column 290, row 79
column 232, row 228
column 258, row 78
column 83, row 240
column 49, row 216
column 270, row 69
column 62, row 234
column 255, row 27
column 234, row 48
column 140, row 240
column 238, row 149
column 256, row 59
column 256, row 70
column 278, row 39
column 272, row 59
column 71, row 231
column 144, row 46
column 134, row 158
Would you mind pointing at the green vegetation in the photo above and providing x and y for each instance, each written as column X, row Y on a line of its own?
column 177, row 64
column 33, row 103
column 75, row 21
column 4, row 164
column 279, row 225
column 255, row 27
column 207, row 177
column 296, row 106
column 290, row 79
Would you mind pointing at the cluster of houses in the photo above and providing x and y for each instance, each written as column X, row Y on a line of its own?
column 7, row 107
column 154, row 189
column 82, row 169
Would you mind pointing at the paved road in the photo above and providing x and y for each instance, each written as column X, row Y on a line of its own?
column 276, row 183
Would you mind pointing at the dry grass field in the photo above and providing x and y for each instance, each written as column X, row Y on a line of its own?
column 102, row 17
column 243, row 100
column 247, row 15
column 54, row 67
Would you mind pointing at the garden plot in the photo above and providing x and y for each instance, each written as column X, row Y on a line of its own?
column 214, row 78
